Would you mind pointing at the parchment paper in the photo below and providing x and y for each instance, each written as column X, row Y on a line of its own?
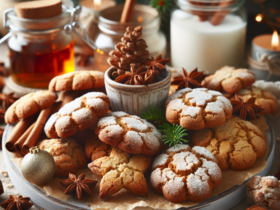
column 125, row 200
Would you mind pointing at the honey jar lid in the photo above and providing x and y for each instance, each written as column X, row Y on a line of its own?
column 39, row 9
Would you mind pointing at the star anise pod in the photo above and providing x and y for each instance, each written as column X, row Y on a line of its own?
column 79, row 186
column 17, row 203
column 7, row 100
column 132, row 77
column 246, row 109
column 117, row 72
column 191, row 80
column 150, row 76
column 3, row 71
column 157, row 64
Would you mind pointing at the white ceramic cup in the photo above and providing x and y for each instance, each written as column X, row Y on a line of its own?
column 134, row 99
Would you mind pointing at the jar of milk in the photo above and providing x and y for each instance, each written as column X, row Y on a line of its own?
column 208, row 34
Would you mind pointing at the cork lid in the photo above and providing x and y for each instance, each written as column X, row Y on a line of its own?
column 39, row 9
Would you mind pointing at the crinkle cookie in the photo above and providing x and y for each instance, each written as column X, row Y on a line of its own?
column 236, row 144
column 68, row 155
column 185, row 173
column 130, row 133
column 77, row 115
column 118, row 170
column 29, row 105
column 195, row 109
column 264, row 191
column 77, row 80
column 229, row 79
column 264, row 99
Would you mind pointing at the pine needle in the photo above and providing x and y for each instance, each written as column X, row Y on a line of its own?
column 173, row 134
column 155, row 115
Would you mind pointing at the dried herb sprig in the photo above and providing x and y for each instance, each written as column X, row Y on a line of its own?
column 171, row 134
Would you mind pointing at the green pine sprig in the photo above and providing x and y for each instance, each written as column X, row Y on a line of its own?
column 171, row 134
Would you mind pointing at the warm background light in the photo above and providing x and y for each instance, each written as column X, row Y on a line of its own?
column 275, row 40
column 259, row 17
column 97, row 2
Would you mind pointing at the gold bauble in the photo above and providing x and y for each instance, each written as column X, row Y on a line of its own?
column 38, row 166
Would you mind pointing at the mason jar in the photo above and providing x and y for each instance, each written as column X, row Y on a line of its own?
column 111, row 31
column 208, row 35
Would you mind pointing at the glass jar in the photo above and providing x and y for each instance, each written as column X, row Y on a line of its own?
column 208, row 35
column 40, row 49
column 111, row 31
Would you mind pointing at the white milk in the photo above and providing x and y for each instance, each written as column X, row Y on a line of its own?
column 200, row 44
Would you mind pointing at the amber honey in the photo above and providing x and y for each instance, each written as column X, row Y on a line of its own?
column 35, row 70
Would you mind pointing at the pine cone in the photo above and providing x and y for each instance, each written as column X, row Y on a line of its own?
column 131, row 50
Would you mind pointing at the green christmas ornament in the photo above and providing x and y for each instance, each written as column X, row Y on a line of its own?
column 38, row 166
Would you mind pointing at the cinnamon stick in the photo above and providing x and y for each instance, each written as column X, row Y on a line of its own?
column 17, row 132
column 22, row 139
column 219, row 16
column 36, row 131
column 127, row 11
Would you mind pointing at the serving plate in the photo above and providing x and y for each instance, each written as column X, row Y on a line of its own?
column 223, row 201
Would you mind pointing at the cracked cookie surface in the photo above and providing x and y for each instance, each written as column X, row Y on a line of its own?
column 229, row 79
column 195, row 109
column 265, row 192
column 130, row 133
column 77, row 115
column 117, row 168
column 185, row 173
column 29, row 105
column 236, row 144
column 264, row 99
column 68, row 155
column 77, row 80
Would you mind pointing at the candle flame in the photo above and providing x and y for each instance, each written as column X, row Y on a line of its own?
column 97, row 3
column 275, row 40
column 259, row 17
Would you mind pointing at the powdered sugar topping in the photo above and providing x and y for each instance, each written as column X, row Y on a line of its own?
column 134, row 123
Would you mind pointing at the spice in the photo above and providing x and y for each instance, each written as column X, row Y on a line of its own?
column 191, row 80
column 17, row 203
column 132, row 77
column 7, row 100
column 157, row 64
column 245, row 110
column 79, row 186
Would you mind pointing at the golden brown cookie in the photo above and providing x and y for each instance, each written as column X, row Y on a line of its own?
column 77, row 115
column 77, row 80
column 185, row 173
column 236, row 144
column 29, row 105
column 117, row 168
column 264, row 99
column 195, row 109
column 264, row 191
column 130, row 133
column 229, row 80
column 68, row 155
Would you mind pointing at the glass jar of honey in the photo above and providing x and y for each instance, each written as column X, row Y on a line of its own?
column 40, row 49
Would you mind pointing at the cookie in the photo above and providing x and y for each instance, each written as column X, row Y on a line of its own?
column 264, row 99
column 29, row 105
column 229, row 80
column 185, row 173
column 264, row 191
column 77, row 80
column 68, row 155
column 196, row 109
column 117, row 168
column 130, row 133
column 77, row 115
column 236, row 144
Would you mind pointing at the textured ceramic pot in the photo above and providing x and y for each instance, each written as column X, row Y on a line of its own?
column 134, row 99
